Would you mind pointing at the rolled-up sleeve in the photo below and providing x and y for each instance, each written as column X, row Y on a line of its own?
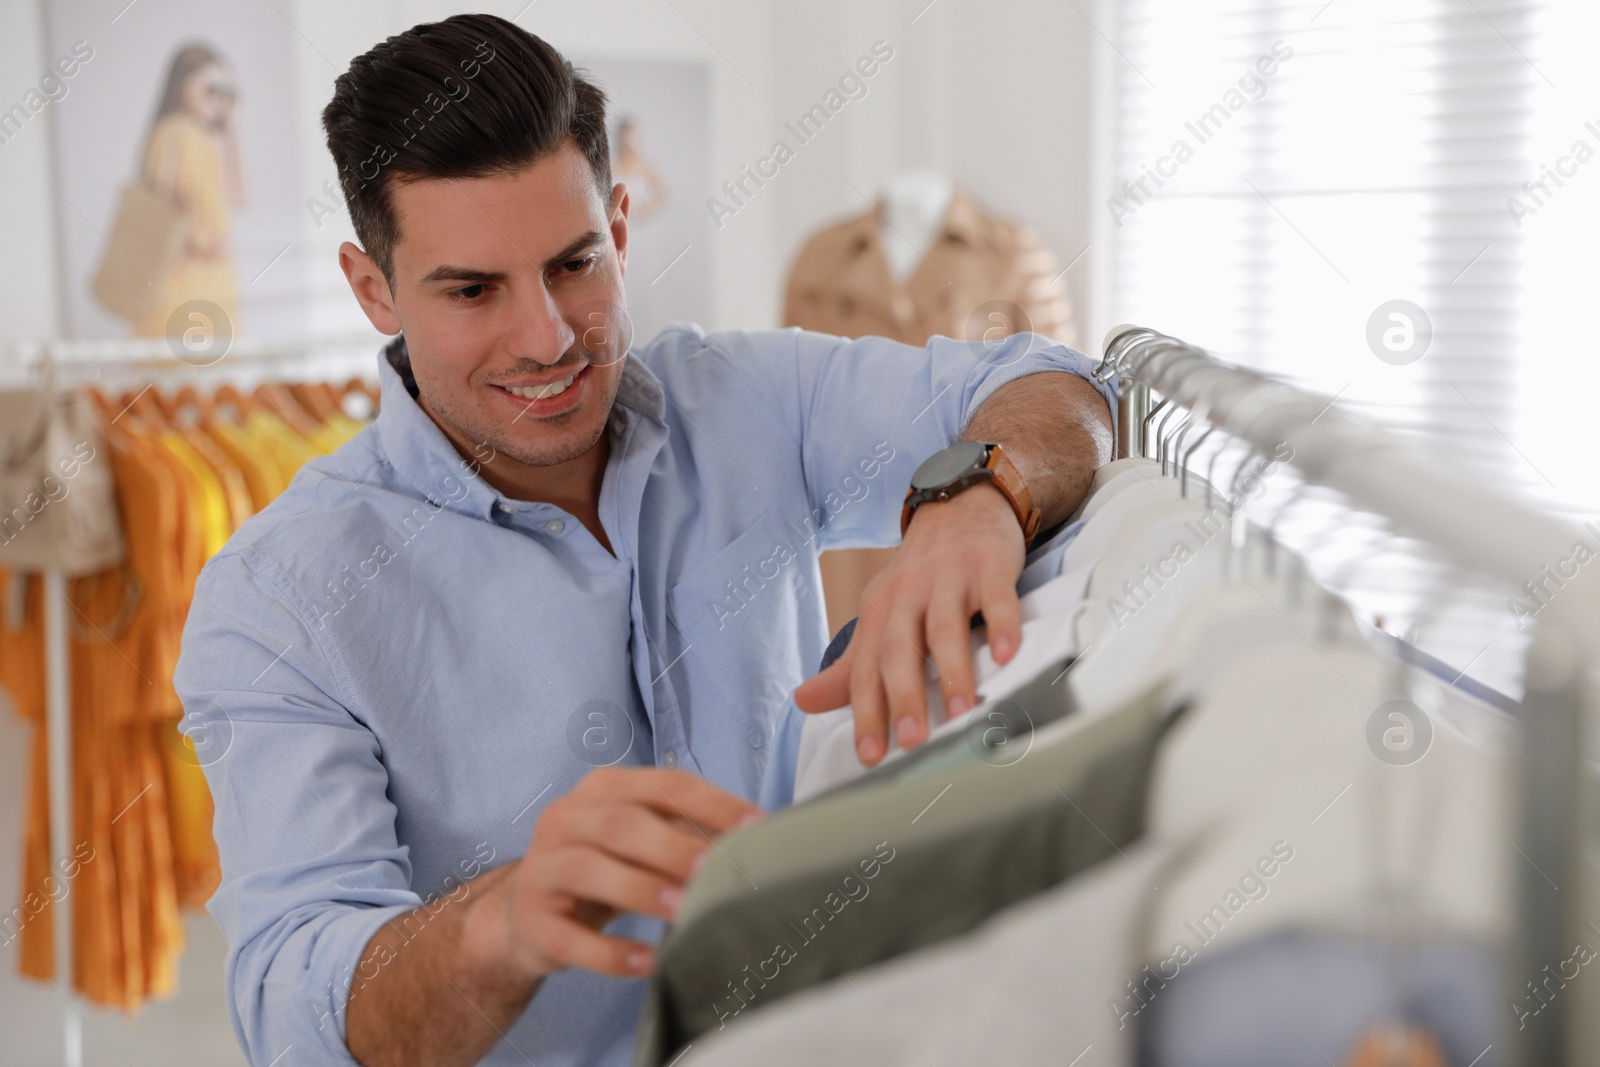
column 867, row 412
column 311, row 866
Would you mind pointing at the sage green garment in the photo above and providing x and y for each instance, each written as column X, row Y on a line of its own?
column 866, row 873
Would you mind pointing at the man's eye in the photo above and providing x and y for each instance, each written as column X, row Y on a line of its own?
column 578, row 266
column 467, row 292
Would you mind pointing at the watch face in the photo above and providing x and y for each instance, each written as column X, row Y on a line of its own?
column 950, row 464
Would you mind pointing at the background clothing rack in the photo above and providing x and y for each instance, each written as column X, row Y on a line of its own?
column 1484, row 529
column 73, row 363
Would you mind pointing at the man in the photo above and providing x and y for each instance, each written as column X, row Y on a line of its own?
column 478, row 692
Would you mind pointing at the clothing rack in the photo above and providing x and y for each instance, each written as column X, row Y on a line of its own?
column 66, row 363
column 1486, row 530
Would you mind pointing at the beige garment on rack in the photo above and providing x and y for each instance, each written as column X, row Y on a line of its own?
column 983, row 277
column 978, row 265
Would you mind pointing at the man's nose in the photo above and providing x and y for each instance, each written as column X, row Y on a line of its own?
column 542, row 332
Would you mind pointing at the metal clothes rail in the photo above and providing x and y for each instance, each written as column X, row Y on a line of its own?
column 1485, row 529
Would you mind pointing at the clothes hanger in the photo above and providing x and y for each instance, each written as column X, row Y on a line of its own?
column 312, row 401
column 103, row 405
column 276, row 398
column 189, row 406
column 355, row 387
column 1165, row 551
column 1133, row 471
column 227, row 395
column 107, row 412
column 332, row 399
column 143, row 405
column 1123, row 591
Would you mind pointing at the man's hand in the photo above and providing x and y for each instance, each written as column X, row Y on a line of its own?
column 959, row 556
column 624, row 840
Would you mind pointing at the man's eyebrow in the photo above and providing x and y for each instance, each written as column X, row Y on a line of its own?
column 449, row 273
column 583, row 243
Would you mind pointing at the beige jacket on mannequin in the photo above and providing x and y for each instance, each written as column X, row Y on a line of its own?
column 980, row 276
column 978, row 263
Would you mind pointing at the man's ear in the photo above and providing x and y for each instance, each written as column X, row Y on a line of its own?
column 619, row 225
column 371, row 288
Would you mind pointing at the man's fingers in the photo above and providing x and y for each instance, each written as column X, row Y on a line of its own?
column 1002, row 615
column 633, row 833
column 867, row 698
column 830, row 689
column 586, row 873
column 568, row 943
column 680, row 793
column 904, row 673
column 950, row 644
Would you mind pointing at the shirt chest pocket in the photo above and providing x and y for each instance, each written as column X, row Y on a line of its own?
column 739, row 614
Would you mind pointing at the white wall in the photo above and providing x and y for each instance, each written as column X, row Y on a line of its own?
column 997, row 93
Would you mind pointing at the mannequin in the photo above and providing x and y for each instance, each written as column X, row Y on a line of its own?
column 914, row 206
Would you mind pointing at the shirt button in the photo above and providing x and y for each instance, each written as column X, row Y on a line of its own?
column 669, row 758
column 554, row 526
column 507, row 508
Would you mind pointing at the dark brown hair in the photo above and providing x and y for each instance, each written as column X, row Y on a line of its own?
column 469, row 97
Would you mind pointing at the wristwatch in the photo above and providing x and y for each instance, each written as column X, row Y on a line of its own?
column 965, row 464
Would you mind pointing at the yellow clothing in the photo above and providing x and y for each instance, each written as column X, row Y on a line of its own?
column 288, row 447
column 228, row 475
column 335, row 432
column 209, row 500
column 181, row 160
column 262, row 478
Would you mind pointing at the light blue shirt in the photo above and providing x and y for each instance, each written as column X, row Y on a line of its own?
column 391, row 670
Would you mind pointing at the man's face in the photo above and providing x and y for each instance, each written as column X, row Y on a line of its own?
column 509, row 290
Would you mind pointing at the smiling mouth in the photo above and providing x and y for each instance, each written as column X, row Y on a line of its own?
column 542, row 392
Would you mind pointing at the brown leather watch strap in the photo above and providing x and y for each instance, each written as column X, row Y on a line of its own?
column 1009, row 481
column 1004, row 476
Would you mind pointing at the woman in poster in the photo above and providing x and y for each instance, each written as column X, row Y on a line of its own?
column 645, row 185
column 192, row 154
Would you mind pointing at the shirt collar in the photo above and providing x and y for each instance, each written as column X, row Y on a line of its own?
column 424, row 457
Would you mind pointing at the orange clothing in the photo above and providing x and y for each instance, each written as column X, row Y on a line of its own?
column 142, row 812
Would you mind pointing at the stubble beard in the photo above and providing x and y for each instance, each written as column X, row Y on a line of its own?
column 490, row 438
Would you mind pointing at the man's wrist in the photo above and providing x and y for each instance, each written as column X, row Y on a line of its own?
column 980, row 499
column 488, row 947
column 963, row 466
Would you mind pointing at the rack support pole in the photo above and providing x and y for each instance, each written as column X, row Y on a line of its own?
column 58, row 734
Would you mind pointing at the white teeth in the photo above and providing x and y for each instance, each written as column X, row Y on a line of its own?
column 541, row 392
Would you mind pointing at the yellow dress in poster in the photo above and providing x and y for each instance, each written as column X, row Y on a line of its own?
column 181, row 158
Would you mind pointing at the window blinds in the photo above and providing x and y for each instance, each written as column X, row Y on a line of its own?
column 1284, row 178
column 1394, row 202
